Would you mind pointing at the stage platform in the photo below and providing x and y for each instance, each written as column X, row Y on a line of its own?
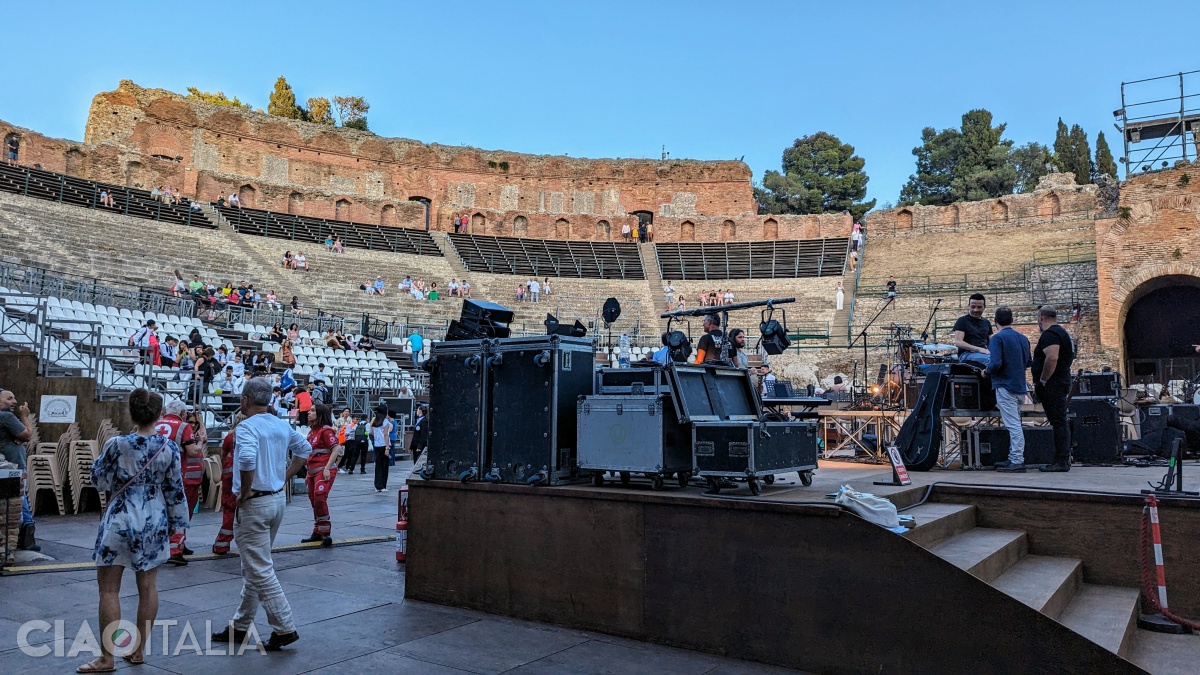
column 1005, row 572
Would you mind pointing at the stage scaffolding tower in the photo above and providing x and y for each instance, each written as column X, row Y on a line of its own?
column 1155, row 118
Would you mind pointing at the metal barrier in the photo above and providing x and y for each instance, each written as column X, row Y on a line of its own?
column 229, row 315
column 40, row 281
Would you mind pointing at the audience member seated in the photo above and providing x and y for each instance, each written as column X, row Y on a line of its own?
column 276, row 334
column 365, row 343
column 288, row 261
column 286, row 356
column 296, row 306
column 301, row 261
column 433, row 292
column 338, row 246
column 293, row 333
column 273, row 301
column 227, row 383
column 452, row 289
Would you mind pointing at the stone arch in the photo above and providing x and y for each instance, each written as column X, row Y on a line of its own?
column 1166, row 337
column 520, row 226
column 1049, row 206
column 295, row 205
column 562, row 228
column 603, row 230
column 728, row 230
column 387, row 215
column 76, row 162
column 341, row 209
column 904, row 221
column 687, row 231
column 771, row 229
column 999, row 211
column 478, row 224
column 427, row 203
column 135, row 175
column 165, row 145
column 247, row 195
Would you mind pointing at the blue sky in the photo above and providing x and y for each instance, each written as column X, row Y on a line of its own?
column 710, row 80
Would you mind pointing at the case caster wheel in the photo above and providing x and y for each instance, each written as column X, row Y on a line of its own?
column 806, row 478
column 755, row 487
column 769, row 480
column 624, row 478
column 598, row 479
column 683, row 478
column 714, row 486
column 656, row 482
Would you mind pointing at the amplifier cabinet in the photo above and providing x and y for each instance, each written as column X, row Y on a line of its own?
column 970, row 392
column 1095, row 430
column 1154, row 425
column 536, row 383
column 989, row 445
column 754, row 449
column 1104, row 385
column 634, row 434
column 458, row 402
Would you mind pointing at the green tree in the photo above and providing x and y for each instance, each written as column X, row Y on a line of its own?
column 283, row 101
column 1030, row 162
column 218, row 98
column 1071, row 152
column 821, row 174
column 319, row 111
column 1105, row 164
column 359, row 123
column 350, row 108
column 968, row 163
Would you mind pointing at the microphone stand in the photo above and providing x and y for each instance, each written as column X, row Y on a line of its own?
column 863, row 336
column 925, row 332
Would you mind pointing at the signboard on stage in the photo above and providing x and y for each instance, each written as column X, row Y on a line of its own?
column 899, row 471
column 57, row 410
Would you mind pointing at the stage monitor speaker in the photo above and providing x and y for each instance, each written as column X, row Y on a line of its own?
column 1106, row 385
column 993, row 444
column 479, row 311
column 1154, row 439
column 1095, row 431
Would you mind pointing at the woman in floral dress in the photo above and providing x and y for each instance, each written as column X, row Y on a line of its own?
column 143, row 472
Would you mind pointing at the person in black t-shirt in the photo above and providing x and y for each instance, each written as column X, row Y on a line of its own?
column 1052, row 358
column 972, row 332
column 891, row 288
column 710, row 347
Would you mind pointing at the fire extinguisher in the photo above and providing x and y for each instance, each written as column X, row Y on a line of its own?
column 402, row 526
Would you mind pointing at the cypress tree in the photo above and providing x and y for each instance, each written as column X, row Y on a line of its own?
column 283, row 101
column 1105, row 164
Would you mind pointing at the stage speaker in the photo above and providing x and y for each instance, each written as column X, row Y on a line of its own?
column 1105, row 385
column 994, row 443
column 1154, row 434
column 1095, row 430
column 480, row 310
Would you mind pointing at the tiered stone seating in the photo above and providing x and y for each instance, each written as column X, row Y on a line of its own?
column 781, row 259
column 59, row 187
column 810, row 317
column 549, row 258
column 306, row 230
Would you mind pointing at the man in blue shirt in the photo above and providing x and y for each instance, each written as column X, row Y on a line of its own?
column 1008, row 359
column 417, row 343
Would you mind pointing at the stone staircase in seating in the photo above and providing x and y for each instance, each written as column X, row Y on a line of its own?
column 1054, row 586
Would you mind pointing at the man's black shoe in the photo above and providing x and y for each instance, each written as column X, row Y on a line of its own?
column 278, row 641
column 1009, row 467
column 311, row 540
column 327, row 542
column 178, row 559
column 1055, row 468
column 239, row 636
column 187, row 551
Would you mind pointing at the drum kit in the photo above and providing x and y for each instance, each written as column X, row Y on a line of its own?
column 907, row 357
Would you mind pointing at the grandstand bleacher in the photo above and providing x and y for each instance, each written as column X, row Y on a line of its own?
column 316, row 230
column 548, row 257
column 58, row 187
column 777, row 259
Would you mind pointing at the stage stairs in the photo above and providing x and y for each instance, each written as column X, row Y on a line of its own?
column 1054, row 586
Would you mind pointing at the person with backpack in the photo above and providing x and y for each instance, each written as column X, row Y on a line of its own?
column 381, row 431
column 144, row 339
column 320, row 394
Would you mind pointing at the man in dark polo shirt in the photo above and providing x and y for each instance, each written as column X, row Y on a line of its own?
column 1052, row 358
column 972, row 332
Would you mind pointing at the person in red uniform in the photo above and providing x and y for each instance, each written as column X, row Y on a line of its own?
column 322, row 469
column 229, row 501
column 173, row 426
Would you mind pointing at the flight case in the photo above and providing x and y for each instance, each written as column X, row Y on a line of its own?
column 633, row 435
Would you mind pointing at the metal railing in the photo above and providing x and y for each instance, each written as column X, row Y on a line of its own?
column 229, row 315
column 64, row 286
column 271, row 226
column 1065, row 255
column 926, row 220
column 122, row 197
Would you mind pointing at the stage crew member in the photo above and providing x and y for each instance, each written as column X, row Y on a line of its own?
column 1052, row 375
column 228, row 499
column 172, row 426
column 972, row 332
column 322, row 469
column 713, row 347
column 1008, row 359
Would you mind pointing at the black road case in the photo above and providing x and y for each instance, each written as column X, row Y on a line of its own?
column 535, row 385
column 458, row 401
column 633, row 435
column 638, row 380
column 754, row 451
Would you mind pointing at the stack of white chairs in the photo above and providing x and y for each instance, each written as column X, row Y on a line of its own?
column 83, row 455
column 48, row 468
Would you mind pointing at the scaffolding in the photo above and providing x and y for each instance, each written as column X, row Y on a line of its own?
column 1155, row 118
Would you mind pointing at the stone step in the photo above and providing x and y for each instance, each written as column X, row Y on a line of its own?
column 1044, row 583
column 984, row 552
column 937, row 522
column 1106, row 615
